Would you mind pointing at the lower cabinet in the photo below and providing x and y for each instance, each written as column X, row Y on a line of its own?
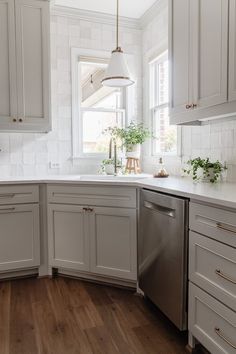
column 19, row 237
column 68, row 237
column 113, row 242
column 211, row 322
column 99, row 240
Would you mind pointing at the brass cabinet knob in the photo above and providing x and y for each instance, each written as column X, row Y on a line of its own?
column 188, row 106
column 14, row 120
column 194, row 105
column 20, row 120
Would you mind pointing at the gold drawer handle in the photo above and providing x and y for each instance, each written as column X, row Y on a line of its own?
column 221, row 335
column 9, row 195
column 226, row 227
column 222, row 275
column 7, row 209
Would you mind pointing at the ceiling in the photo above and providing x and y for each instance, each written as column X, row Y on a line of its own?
column 128, row 8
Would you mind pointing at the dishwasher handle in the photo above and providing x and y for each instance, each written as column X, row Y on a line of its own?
column 160, row 209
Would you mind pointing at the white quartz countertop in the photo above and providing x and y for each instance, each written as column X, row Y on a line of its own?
column 223, row 194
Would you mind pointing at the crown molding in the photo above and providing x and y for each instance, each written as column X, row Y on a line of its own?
column 94, row 16
column 151, row 13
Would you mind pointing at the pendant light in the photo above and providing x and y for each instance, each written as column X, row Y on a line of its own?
column 117, row 73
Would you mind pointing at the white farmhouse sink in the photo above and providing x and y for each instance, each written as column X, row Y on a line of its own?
column 112, row 178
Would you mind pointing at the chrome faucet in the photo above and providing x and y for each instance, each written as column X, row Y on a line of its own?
column 113, row 142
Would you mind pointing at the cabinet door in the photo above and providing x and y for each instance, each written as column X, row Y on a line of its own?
column 179, row 52
column 113, row 242
column 33, row 63
column 19, row 237
column 68, row 237
column 209, row 26
column 8, row 98
column 232, row 51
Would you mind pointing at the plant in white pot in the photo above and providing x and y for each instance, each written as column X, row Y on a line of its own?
column 108, row 166
column 133, row 137
column 205, row 170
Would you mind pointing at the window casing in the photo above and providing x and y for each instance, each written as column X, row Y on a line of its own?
column 103, row 108
column 164, row 140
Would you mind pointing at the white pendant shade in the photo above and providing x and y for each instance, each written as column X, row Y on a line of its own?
column 117, row 73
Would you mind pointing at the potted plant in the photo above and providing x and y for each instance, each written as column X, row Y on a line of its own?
column 204, row 169
column 108, row 166
column 132, row 137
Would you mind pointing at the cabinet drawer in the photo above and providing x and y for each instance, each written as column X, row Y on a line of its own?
column 19, row 194
column 212, row 323
column 93, row 195
column 214, row 222
column 212, row 266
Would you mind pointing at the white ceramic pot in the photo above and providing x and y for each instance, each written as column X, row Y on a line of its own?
column 133, row 151
column 109, row 169
column 205, row 178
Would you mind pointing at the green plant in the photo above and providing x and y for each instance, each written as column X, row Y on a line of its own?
column 106, row 162
column 134, row 134
column 211, row 170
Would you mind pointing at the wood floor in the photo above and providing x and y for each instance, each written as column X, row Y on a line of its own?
column 67, row 316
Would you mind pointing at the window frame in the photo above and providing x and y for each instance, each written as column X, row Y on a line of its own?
column 77, row 56
column 154, row 107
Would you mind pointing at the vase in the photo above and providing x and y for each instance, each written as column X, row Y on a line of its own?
column 133, row 151
column 109, row 169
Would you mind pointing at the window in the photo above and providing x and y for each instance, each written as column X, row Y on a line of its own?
column 164, row 141
column 99, row 108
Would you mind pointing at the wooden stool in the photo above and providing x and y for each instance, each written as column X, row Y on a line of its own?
column 133, row 165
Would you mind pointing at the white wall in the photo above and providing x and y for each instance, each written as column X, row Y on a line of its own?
column 30, row 154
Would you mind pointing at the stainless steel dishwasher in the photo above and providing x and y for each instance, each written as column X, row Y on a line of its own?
column 162, row 253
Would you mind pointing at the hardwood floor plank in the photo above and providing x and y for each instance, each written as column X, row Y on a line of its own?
column 74, row 340
column 22, row 330
column 101, row 342
column 5, row 298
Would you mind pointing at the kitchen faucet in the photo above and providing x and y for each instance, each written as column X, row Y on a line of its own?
column 113, row 143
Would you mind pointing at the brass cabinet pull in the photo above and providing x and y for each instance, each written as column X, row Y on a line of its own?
column 8, row 195
column 222, row 275
column 226, row 227
column 7, row 209
column 90, row 210
column 222, row 336
column 188, row 106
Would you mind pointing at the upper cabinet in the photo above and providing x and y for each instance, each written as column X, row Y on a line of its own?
column 25, row 65
column 232, row 50
column 203, row 76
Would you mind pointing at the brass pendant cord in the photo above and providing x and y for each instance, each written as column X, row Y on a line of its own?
column 117, row 25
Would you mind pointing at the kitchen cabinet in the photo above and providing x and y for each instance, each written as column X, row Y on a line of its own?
column 212, row 264
column 25, row 65
column 201, row 73
column 180, row 41
column 68, row 237
column 113, row 242
column 97, row 238
column 232, row 50
column 8, row 97
column 19, row 228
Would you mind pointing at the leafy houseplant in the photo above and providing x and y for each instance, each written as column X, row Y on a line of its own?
column 132, row 137
column 108, row 167
column 204, row 169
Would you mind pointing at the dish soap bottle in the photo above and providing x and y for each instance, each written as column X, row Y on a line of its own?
column 162, row 173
